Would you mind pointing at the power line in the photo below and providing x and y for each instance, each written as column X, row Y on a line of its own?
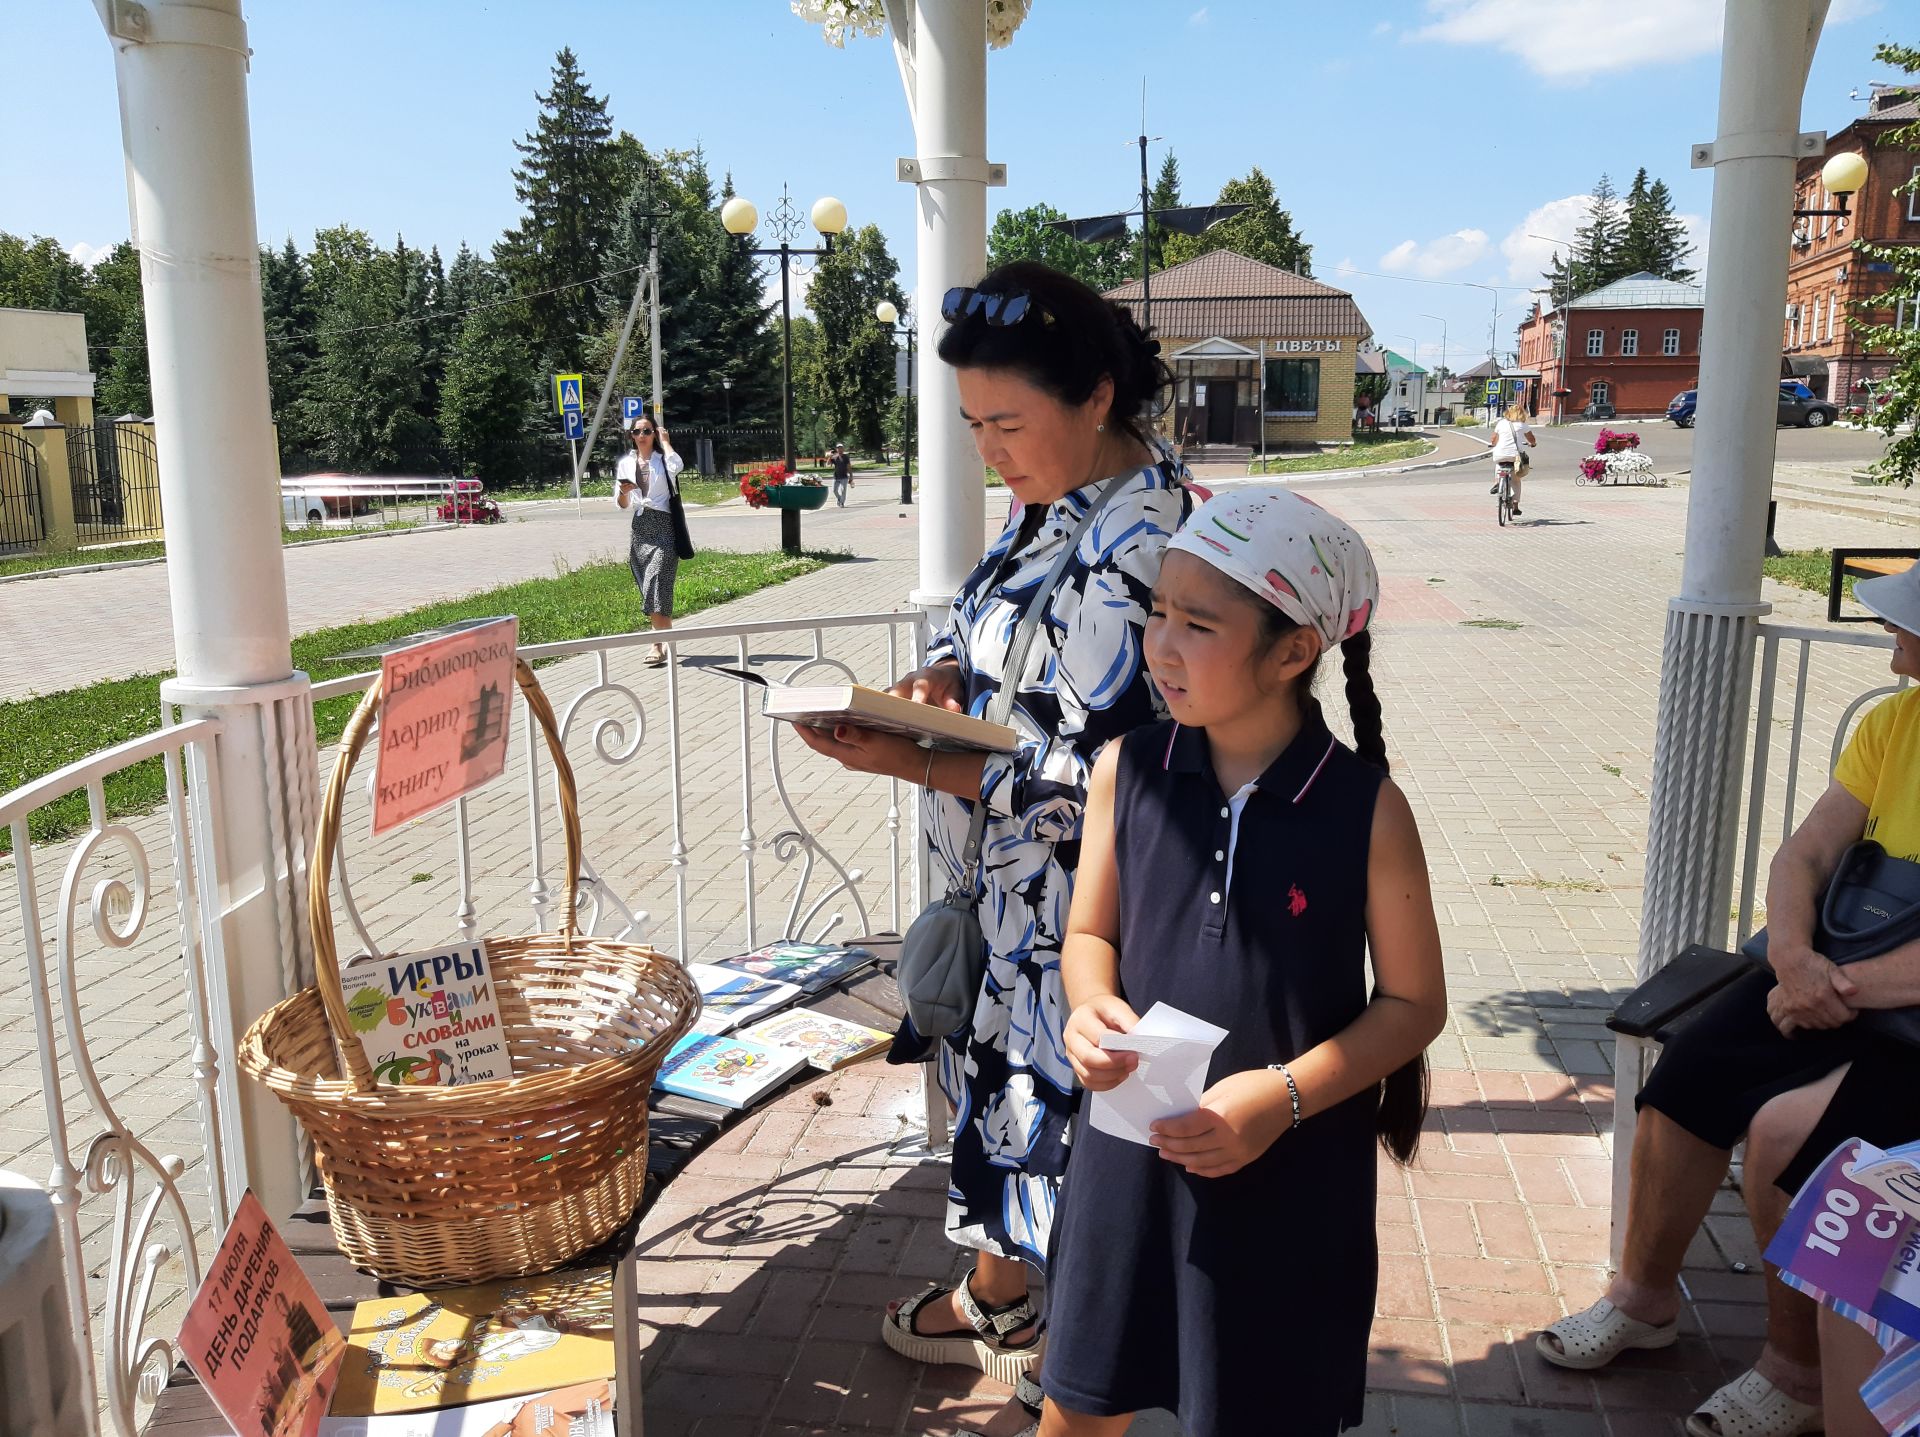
column 424, row 318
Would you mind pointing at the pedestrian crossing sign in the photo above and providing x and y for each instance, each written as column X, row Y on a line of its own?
column 566, row 393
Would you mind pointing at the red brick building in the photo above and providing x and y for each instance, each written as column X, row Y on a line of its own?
column 1633, row 344
column 1826, row 278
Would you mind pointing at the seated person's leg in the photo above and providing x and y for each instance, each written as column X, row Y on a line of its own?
column 1704, row 1091
column 1848, row 1354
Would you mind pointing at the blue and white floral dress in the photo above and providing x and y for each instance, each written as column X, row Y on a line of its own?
column 1085, row 684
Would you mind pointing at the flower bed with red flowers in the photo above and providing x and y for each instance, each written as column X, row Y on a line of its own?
column 758, row 479
column 1615, row 441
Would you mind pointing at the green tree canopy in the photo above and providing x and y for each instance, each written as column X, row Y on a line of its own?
column 1025, row 235
column 857, row 366
column 1899, row 406
column 569, row 181
column 1165, row 195
column 1265, row 232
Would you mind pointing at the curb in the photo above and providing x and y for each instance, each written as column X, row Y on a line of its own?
column 68, row 569
column 1324, row 476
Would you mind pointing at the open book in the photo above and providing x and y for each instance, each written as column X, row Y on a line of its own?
column 824, row 705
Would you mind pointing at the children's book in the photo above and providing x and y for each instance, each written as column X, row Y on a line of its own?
column 828, row 1042
column 582, row 1410
column 428, row 1019
column 472, row 1344
column 733, row 1072
column 258, row 1336
column 810, row 966
column 728, row 999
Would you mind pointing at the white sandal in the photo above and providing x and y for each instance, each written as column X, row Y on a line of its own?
column 1593, row 1338
column 1751, row 1406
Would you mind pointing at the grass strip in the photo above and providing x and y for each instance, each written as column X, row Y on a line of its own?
column 47, row 731
column 1809, row 569
column 157, row 549
column 1361, row 454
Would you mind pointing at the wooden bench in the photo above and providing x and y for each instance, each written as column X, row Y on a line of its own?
column 1863, row 564
column 678, row 1129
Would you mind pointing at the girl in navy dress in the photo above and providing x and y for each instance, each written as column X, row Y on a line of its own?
column 1242, row 864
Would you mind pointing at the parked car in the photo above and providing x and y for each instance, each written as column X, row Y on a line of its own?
column 1799, row 405
column 1599, row 411
column 1403, row 418
column 1680, row 408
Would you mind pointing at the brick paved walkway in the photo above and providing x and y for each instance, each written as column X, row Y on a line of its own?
column 1518, row 670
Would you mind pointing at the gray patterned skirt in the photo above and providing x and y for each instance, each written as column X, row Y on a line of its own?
column 652, row 559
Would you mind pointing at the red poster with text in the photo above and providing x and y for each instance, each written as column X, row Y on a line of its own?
column 444, row 710
column 258, row 1336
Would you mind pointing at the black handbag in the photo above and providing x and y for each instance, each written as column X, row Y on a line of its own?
column 1653, row 1009
column 682, row 536
column 1871, row 907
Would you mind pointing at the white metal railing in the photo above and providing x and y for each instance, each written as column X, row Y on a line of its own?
column 113, row 889
column 315, row 498
column 618, row 739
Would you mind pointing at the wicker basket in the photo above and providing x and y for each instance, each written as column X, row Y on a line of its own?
column 436, row 1185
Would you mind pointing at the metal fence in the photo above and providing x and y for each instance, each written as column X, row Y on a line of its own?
column 114, row 469
column 22, row 525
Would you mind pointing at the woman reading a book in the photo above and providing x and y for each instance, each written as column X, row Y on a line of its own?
column 1057, row 385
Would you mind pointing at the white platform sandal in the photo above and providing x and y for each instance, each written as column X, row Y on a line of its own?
column 1586, row 1340
column 1751, row 1406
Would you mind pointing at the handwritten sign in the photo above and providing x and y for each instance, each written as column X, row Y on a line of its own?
column 258, row 1336
column 444, row 711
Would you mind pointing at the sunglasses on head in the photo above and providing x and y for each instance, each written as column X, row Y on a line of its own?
column 999, row 310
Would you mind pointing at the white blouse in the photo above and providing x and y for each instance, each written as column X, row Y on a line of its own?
column 657, row 492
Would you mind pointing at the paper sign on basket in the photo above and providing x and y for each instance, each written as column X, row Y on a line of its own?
column 428, row 1019
column 258, row 1336
column 1175, row 1049
column 444, row 712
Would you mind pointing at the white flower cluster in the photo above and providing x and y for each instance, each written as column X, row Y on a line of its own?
column 840, row 18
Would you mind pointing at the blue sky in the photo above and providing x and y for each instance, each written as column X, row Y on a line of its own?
column 1467, row 123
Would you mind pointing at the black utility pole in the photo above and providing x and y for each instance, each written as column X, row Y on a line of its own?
column 1146, row 241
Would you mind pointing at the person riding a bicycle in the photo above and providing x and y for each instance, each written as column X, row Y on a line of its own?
column 1512, row 437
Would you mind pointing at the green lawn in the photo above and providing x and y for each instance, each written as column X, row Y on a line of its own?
column 1808, row 569
column 156, row 549
column 692, row 491
column 41, row 734
column 1361, row 453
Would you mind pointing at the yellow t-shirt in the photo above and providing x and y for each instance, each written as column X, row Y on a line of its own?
column 1881, row 767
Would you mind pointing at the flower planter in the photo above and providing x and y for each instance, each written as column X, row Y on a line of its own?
column 797, row 496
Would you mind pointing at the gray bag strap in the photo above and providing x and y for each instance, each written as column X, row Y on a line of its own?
column 1001, row 705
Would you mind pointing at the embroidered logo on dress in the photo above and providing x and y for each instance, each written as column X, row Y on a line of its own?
column 1296, row 900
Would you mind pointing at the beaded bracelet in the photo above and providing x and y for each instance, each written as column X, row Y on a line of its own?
column 1293, row 1088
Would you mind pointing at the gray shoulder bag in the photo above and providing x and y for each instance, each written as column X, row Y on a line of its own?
column 943, row 956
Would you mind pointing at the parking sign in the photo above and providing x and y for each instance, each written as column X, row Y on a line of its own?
column 576, row 425
column 633, row 406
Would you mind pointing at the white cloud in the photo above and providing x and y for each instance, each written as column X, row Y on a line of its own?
column 1383, row 27
column 799, row 289
column 88, row 255
column 1198, row 17
column 1572, row 40
column 1527, row 256
column 1442, row 256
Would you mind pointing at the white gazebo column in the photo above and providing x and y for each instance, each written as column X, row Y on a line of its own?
column 1707, row 665
column 944, row 65
column 182, row 73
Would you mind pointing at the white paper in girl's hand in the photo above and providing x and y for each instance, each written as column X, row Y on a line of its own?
column 1175, row 1049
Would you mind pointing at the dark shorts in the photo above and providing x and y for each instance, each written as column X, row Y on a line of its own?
column 1726, row 1064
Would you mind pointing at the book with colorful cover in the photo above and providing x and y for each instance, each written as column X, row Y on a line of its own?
column 731, row 1071
column 582, row 1410
column 810, row 966
column 728, row 999
column 428, row 1019
column 828, row 1042
column 257, row 1334
column 459, row 1345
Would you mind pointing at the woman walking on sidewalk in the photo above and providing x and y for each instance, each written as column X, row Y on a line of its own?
column 1056, row 383
column 643, row 479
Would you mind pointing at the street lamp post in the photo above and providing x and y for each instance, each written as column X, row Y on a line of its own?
column 739, row 217
column 889, row 315
column 726, row 386
column 1493, row 357
column 1443, row 344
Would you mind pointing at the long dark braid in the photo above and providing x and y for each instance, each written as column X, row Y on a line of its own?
column 1403, row 1096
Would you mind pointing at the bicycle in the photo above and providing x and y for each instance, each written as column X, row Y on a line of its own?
column 1503, row 491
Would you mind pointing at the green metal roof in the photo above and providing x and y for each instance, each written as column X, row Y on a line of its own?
column 1397, row 361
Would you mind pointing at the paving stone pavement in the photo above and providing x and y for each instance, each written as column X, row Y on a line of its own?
column 1518, row 670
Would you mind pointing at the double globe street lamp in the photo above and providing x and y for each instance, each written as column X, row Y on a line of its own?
column 889, row 315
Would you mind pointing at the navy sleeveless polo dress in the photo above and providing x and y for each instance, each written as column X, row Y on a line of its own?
column 1242, row 1303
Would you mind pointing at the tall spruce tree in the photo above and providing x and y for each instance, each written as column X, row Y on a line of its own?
column 1595, row 256
column 493, row 386
column 287, row 305
column 1264, row 232
column 569, row 181
column 364, row 396
column 1653, row 238
column 1164, row 195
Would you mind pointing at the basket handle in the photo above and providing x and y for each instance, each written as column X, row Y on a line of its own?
column 326, row 954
